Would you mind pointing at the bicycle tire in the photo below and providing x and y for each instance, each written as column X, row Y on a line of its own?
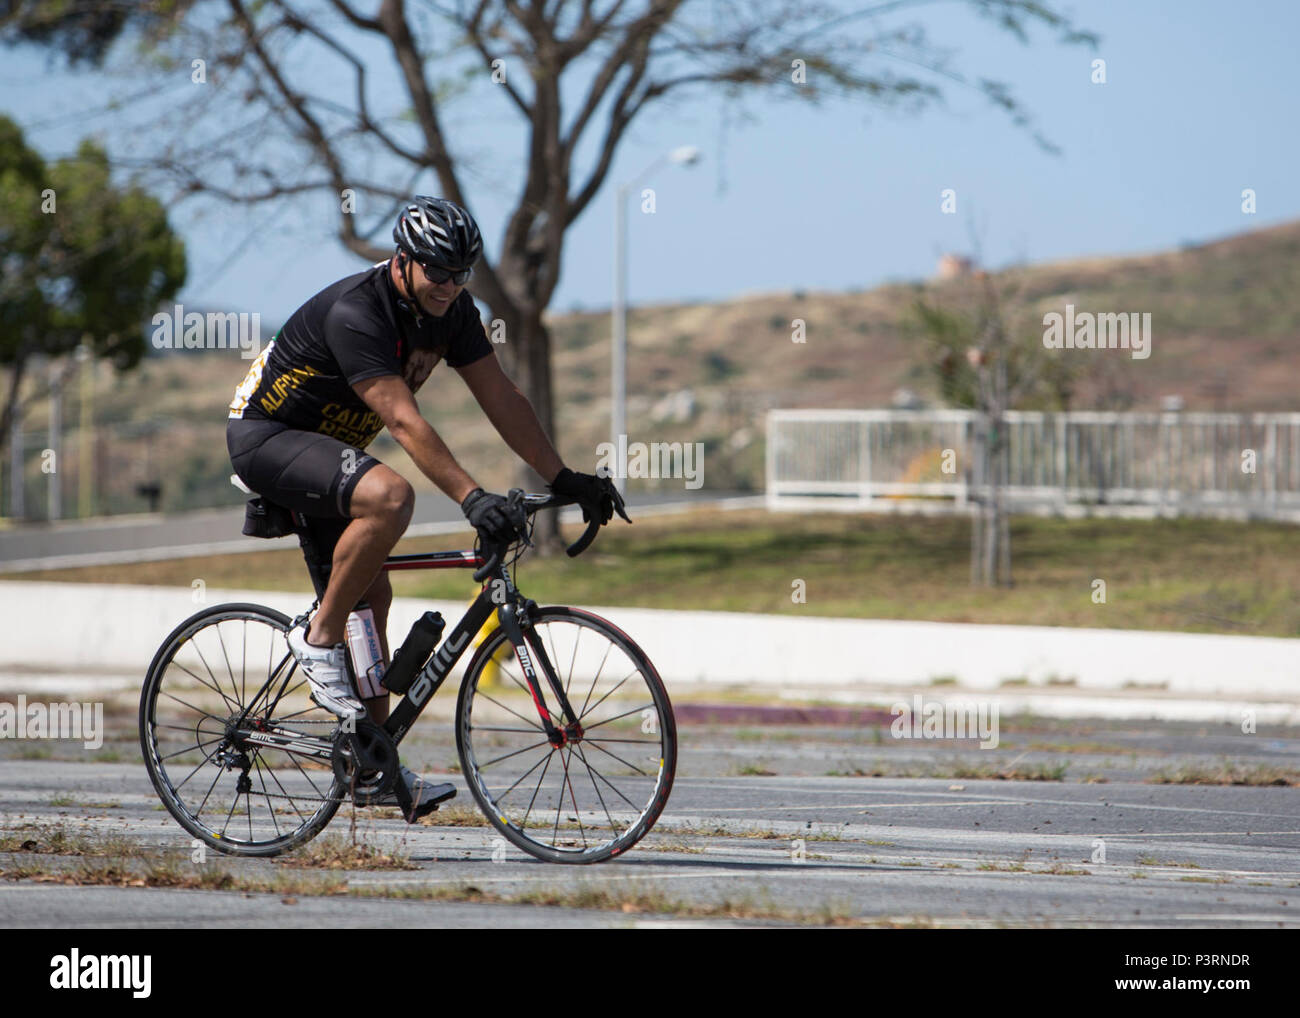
column 205, row 706
column 554, row 825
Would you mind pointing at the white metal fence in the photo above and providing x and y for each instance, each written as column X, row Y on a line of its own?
column 1238, row 465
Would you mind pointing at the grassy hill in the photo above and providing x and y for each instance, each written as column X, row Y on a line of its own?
column 1225, row 316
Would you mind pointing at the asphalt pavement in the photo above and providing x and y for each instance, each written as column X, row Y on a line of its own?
column 766, row 825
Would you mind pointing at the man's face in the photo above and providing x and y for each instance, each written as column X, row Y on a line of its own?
column 433, row 298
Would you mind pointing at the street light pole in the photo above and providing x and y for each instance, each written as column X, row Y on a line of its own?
column 618, row 354
column 685, row 155
column 53, row 479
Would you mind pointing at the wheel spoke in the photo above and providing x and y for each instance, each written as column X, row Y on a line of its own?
column 551, row 640
column 285, row 792
column 209, row 792
column 519, row 780
column 586, row 711
column 583, row 713
column 625, row 763
column 492, row 728
column 191, row 749
column 498, row 703
column 196, row 769
column 568, row 780
column 596, row 788
column 216, row 689
column 233, row 804
column 225, row 654
column 306, row 775
column 615, row 790
column 573, row 660
column 507, row 756
column 619, row 717
column 266, row 793
column 540, row 779
column 215, row 684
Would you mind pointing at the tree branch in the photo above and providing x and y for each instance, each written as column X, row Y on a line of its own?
column 312, row 130
column 473, row 30
column 364, row 121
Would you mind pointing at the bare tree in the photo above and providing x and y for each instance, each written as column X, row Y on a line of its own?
column 985, row 349
column 295, row 90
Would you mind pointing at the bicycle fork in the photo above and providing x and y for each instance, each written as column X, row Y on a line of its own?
column 529, row 652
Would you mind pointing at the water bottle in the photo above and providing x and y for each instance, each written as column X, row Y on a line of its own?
column 367, row 653
column 414, row 651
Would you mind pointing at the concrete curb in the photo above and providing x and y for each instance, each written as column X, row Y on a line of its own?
column 69, row 627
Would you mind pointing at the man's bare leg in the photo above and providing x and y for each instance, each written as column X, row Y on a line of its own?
column 380, row 599
column 382, row 503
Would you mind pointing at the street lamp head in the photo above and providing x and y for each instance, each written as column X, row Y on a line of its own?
column 686, row 154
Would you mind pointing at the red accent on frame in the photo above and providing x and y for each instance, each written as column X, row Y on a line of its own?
column 435, row 560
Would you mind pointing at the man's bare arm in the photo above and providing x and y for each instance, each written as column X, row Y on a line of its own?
column 512, row 415
column 389, row 397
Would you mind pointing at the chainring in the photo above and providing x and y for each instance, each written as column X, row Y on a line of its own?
column 365, row 760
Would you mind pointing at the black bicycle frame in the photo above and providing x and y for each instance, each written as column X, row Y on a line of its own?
column 431, row 677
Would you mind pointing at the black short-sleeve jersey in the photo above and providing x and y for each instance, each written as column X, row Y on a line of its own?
column 354, row 329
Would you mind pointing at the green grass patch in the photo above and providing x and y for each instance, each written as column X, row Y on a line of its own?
column 1186, row 574
column 1227, row 773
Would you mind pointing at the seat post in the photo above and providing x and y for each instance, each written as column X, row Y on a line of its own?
column 316, row 568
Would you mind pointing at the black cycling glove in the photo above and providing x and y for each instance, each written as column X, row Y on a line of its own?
column 492, row 517
column 595, row 495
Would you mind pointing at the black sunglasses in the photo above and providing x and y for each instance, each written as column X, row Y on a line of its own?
column 437, row 276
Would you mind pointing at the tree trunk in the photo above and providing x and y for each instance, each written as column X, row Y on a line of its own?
column 979, row 478
column 529, row 364
column 11, row 399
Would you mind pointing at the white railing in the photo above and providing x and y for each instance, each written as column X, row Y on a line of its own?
column 1173, row 464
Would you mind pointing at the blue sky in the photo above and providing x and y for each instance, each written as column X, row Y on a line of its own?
column 1200, row 103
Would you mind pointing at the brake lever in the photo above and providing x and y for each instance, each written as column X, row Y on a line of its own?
column 514, row 502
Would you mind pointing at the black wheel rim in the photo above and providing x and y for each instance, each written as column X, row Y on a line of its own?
column 207, row 692
column 596, row 793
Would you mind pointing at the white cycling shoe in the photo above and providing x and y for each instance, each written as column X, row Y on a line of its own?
column 327, row 674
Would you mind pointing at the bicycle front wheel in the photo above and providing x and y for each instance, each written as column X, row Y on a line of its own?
column 595, row 792
column 235, row 747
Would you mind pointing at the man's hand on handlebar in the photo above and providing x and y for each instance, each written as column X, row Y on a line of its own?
column 496, row 520
column 596, row 496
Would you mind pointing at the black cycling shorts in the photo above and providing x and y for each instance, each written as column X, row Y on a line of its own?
column 311, row 473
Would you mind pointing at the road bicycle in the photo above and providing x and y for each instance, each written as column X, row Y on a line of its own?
column 570, row 750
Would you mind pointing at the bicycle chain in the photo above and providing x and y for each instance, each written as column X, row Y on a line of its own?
column 257, row 751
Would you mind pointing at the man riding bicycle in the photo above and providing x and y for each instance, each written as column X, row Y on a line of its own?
column 346, row 365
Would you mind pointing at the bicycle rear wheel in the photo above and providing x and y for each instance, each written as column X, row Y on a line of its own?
column 235, row 747
column 597, row 792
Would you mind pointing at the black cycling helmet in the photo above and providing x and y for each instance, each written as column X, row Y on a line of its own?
column 438, row 233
